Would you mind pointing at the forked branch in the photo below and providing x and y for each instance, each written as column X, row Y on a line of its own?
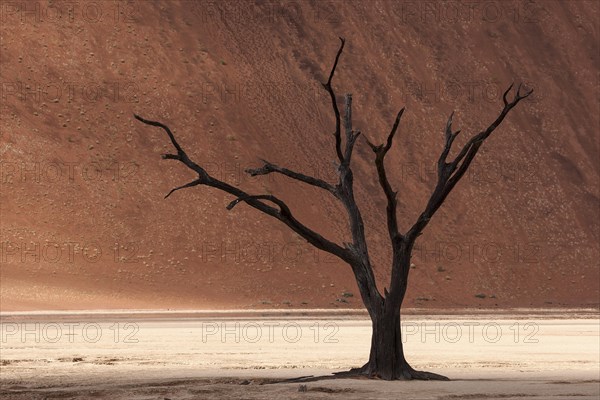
column 181, row 154
column 450, row 173
column 380, row 152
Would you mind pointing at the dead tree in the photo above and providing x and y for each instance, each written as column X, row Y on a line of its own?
column 386, row 359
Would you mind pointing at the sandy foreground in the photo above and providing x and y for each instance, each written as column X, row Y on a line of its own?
column 243, row 355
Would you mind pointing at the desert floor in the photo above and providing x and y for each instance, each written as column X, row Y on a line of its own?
column 243, row 355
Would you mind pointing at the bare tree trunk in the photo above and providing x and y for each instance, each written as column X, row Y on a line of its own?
column 386, row 358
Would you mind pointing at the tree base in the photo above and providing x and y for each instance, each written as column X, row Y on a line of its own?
column 364, row 372
column 407, row 373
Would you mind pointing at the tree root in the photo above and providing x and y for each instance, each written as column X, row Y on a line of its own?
column 364, row 372
column 406, row 374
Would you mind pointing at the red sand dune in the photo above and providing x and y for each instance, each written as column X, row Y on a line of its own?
column 83, row 222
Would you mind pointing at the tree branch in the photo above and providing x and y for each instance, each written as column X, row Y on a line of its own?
column 283, row 208
column 449, row 174
column 268, row 168
column 283, row 213
column 362, row 270
column 351, row 135
column 187, row 185
column 165, row 128
column 380, row 153
column 443, row 166
column 181, row 155
column 336, row 111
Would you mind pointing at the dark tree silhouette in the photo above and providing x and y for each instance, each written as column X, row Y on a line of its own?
column 386, row 359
